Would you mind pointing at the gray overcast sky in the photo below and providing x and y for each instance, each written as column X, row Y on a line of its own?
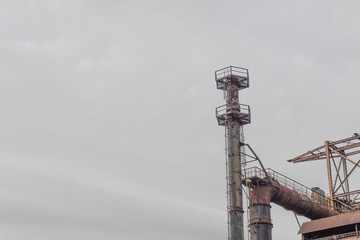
column 107, row 109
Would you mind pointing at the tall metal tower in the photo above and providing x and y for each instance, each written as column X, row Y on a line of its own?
column 233, row 116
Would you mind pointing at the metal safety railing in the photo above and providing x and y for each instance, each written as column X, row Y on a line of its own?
column 294, row 185
column 234, row 108
column 235, row 111
column 282, row 179
column 238, row 76
column 231, row 71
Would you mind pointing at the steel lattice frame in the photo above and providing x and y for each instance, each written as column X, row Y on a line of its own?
column 342, row 159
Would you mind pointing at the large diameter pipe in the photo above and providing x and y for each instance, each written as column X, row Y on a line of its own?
column 260, row 222
column 264, row 193
column 290, row 200
column 260, row 218
column 300, row 204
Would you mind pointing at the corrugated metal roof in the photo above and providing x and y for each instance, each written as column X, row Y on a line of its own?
column 330, row 222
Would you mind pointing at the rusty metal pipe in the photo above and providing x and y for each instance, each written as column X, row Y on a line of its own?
column 300, row 204
column 263, row 194
column 260, row 218
column 260, row 222
column 290, row 200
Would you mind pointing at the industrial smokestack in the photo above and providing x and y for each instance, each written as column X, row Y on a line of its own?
column 233, row 116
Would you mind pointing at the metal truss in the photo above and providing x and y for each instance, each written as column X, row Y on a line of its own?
column 342, row 159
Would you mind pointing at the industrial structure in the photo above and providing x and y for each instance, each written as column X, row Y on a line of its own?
column 233, row 116
column 335, row 216
column 338, row 156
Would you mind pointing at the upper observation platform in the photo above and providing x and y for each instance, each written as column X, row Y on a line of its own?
column 236, row 75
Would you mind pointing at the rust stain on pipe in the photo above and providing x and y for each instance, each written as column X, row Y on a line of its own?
column 290, row 200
